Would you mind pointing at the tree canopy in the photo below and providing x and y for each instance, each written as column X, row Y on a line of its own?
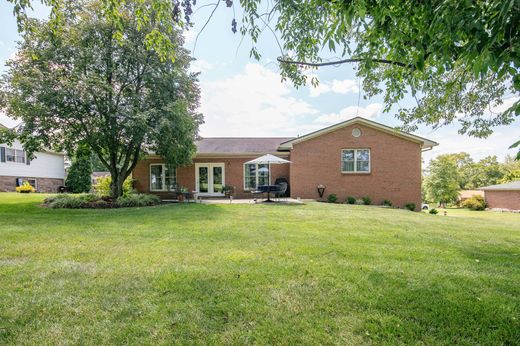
column 88, row 85
column 449, row 173
column 442, row 183
column 458, row 59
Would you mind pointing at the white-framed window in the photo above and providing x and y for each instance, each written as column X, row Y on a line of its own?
column 14, row 155
column 355, row 161
column 255, row 175
column 162, row 177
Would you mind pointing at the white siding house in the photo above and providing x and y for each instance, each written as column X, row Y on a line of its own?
column 46, row 171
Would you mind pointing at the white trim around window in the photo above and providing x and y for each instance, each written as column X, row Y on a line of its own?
column 257, row 167
column 13, row 155
column 356, row 161
column 163, row 178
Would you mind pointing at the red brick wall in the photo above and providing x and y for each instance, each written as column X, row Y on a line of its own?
column 395, row 167
column 503, row 199
column 234, row 174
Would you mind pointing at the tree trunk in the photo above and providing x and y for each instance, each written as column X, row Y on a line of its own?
column 116, row 185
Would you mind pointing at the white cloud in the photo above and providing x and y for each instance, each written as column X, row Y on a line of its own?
column 189, row 36
column 335, row 86
column 252, row 103
column 370, row 111
column 201, row 65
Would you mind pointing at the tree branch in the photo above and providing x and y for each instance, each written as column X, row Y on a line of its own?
column 343, row 61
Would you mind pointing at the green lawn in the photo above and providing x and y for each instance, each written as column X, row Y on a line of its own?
column 257, row 274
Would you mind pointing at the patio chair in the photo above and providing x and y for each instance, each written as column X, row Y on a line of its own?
column 280, row 192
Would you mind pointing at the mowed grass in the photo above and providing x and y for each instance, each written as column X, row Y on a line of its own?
column 256, row 274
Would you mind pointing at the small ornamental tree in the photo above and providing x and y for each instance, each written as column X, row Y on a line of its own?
column 442, row 183
column 96, row 81
column 79, row 174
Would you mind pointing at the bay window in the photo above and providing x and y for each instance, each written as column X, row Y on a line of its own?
column 355, row 161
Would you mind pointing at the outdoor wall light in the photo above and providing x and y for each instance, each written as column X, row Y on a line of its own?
column 321, row 189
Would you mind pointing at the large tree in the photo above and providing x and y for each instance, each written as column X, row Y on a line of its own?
column 442, row 182
column 97, row 82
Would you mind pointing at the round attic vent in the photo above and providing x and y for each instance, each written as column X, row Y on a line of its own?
column 356, row 132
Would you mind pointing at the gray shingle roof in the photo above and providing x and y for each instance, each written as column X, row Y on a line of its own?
column 514, row 185
column 239, row 145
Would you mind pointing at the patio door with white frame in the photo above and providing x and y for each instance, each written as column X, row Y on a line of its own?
column 209, row 179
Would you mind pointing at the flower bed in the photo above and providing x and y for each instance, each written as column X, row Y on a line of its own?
column 94, row 201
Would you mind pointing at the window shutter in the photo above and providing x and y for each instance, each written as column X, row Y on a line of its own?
column 27, row 160
column 2, row 154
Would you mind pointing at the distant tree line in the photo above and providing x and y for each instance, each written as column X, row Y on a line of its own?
column 447, row 174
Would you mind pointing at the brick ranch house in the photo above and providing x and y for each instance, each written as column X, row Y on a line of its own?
column 503, row 196
column 357, row 157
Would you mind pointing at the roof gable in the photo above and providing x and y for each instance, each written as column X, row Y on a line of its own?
column 426, row 143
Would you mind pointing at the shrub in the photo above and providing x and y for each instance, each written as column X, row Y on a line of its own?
column 475, row 202
column 387, row 203
column 332, row 198
column 359, row 201
column 25, row 188
column 89, row 197
column 410, row 206
column 68, row 202
column 434, row 211
column 102, row 186
column 350, row 200
column 79, row 174
column 138, row 200
column 367, row 200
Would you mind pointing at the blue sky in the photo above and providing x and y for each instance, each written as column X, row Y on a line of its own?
column 245, row 97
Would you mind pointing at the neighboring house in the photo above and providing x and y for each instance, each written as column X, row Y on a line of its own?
column 45, row 172
column 357, row 157
column 503, row 196
column 465, row 194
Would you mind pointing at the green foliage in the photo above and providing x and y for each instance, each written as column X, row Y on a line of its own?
column 99, row 82
column 138, row 200
column 332, row 198
column 103, row 186
column 442, row 183
column 510, row 176
column 475, row 202
column 350, row 200
column 410, row 206
column 94, row 201
column 366, row 200
column 67, row 202
column 387, row 203
column 80, row 171
column 433, row 211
